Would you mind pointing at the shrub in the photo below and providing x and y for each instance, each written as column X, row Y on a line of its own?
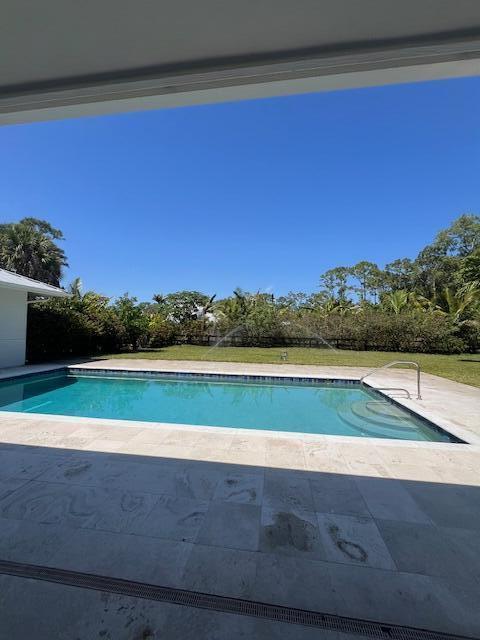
column 373, row 329
column 161, row 332
column 132, row 319
column 80, row 325
column 469, row 333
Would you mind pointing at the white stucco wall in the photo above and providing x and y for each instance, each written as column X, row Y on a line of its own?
column 13, row 327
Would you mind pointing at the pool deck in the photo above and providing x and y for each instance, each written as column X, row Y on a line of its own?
column 378, row 529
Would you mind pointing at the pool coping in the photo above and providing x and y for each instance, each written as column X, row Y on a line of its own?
column 462, row 436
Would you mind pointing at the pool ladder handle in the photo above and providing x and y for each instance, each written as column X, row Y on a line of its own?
column 392, row 364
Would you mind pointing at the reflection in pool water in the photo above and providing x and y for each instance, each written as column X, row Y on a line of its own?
column 328, row 408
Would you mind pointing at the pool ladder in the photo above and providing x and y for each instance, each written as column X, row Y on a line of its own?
column 392, row 364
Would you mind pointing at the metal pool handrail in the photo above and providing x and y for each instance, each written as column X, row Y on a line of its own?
column 391, row 364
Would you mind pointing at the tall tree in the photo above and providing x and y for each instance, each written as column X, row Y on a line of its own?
column 184, row 306
column 335, row 282
column 293, row 300
column 29, row 248
column 438, row 263
column 470, row 271
column 461, row 238
column 367, row 275
column 435, row 270
column 400, row 274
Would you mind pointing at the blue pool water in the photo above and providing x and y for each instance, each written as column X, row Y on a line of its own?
column 304, row 407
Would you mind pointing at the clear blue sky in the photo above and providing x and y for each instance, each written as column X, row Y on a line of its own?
column 262, row 194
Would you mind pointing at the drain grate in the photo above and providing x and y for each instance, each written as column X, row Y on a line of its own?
column 326, row 621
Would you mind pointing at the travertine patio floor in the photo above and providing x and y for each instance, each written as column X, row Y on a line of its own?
column 377, row 529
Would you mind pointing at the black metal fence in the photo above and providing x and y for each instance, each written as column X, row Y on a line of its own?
column 280, row 341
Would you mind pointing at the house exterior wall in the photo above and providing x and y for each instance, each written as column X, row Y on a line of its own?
column 13, row 327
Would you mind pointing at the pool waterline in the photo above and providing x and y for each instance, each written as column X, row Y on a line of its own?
column 294, row 405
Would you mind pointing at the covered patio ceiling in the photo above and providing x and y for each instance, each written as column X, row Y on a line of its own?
column 62, row 58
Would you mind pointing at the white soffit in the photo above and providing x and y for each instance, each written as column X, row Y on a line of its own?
column 64, row 58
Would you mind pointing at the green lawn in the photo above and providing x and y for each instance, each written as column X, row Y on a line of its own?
column 462, row 368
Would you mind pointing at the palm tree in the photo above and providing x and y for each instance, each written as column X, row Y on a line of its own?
column 75, row 288
column 28, row 247
column 397, row 300
column 457, row 304
column 331, row 306
column 422, row 303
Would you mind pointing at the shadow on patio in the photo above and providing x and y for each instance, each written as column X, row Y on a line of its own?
column 393, row 551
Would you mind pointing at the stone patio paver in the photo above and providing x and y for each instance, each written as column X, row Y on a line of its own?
column 121, row 510
column 353, row 540
column 424, row 548
column 402, row 598
column 58, row 612
column 10, row 485
column 285, row 490
column 448, row 505
column 132, row 557
column 290, row 531
column 195, row 624
column 231, row 525
column 294, row 581
column 31, row 542
column 244, row 487
column 390, row 500
column 173, row 518
column 230, row 572
column 54, row 503
column 466, row 543
column 336, row 493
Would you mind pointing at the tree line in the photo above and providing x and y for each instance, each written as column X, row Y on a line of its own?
column 430, row 303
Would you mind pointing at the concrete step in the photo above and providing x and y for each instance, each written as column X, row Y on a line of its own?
column 370, row 425
column 382, row 413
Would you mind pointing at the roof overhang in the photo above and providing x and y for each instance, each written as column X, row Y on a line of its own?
column 63, row 58
column 16, row 282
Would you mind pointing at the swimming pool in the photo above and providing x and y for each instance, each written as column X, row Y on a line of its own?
column 303, row 406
